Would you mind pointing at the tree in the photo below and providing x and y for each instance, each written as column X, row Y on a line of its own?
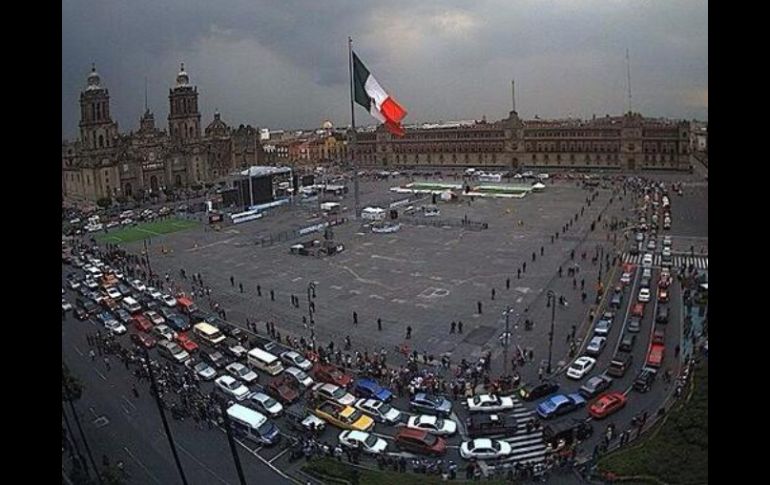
column 104, row 202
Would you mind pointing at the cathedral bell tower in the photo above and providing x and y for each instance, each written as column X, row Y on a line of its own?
column 184, row 119
column 97, row 130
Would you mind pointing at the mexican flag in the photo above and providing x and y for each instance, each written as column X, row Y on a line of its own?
column 370, row 95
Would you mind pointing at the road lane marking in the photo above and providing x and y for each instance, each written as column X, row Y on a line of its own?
column 146, row 470
column 278, row 455
column 78, row 350
column 203, row 465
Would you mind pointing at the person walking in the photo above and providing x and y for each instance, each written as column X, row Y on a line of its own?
column 452, row 327
column 107, row 362
column 478, row 304
column 259, row 290
column 460, row 326
column 493, row 294
column 379, row 324
column 272, row 295
column 408, row 332
column 518, row 273
column 355, row 318
column 92, row 354
column 232, row 281
column 240, row 286
column 507, row 283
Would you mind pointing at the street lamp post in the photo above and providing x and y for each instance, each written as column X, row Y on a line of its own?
column 311, row 320
column 506, row 340
column 552, row 303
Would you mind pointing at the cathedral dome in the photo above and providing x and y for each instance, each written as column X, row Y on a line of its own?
column 182, row 79
column 94, row 80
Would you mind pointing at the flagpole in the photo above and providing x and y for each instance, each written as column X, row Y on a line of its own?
column 353, row 128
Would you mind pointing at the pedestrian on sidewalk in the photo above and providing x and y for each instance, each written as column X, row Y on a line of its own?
column 408, row 332
column 478, row 305
column 518, row 274
column 259, row 290
column 232, row 281
column 379, row 324
column 524, row 267
column 240, row 286
column 507, row 283
column 272, row 295
column 452, row 327
column 355, row 318
column 493, row 294
column 460, row 326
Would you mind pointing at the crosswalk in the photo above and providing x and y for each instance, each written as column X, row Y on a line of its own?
column 700, row 262
column 526, row 447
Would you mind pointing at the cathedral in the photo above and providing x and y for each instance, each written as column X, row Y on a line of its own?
column 103, row 163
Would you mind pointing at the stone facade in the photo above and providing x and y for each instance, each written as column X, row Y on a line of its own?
column 106, row 163
column 629, row 143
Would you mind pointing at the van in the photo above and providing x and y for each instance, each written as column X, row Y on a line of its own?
column 620, row 364
column 208, row 333
column 131, row 305
column 265, row 361
column 251, row 424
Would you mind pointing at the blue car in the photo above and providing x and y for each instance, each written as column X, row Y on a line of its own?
column 178, row 323
column 431, row 404
column 560, row 404
column 369, row 388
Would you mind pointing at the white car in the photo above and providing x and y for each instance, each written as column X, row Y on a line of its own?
column 91, row 284
column 625, row 278
column 168, row 300
column 333, row 392
column 581, row 367
column 73, row 284
column 153, row 293
column 155, row 318
column 115, row 327
column 204, row 371
column 489, row 402
column 240, row 371
column 138, row 285
column 113, row 293
column 380, row 411
column 432, row 424
column 295, row 359
column 596, row 345
column 644, row 295
column 65, row 305
column 304, row 380
column 165, row 332
column 647, row 261
column 266, row 403
column 366, row 442
column 230, row 386
column 484, row 448
column 666, row 251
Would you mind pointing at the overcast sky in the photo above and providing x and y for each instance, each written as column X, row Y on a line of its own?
column 283, row 63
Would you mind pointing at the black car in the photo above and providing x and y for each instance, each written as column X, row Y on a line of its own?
column 569, row 430
column 662, row 316
column 644, row 380
column 530, row 392
column 123, row 316
column 199, row 316
column 178, row 323
column 619, row 364
column 483, row 425
column 627, row 344
column 616, row 300
column 214, row 359
column 81, row 314
column 124, row 289
column 634, row 324
column 167, row 312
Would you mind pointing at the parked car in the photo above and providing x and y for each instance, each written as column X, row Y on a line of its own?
column 334, row 393
column 232, row 387
column 620, row 363
column 203, row 370
column 644, row 380
column 431, row 404
column 332, row 374
column 596, row 345
column 240, row 371
column 215, row 359
column 303, row 380
column 143, row 340
column 367, row 387
column 292, row 358
column 283, row 388
column 432, row 424
column 265, row 404
column 634, row 324
column 186, row 343
column 380, row 411
column 362, row 441
column 484, row 449
column 644, row 295
column 419, row 441
column 627, row 342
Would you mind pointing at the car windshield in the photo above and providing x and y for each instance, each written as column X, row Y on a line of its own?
column 476, row 399
column 338, row 393
column 233, row 385
column 300, row 375
column 201, row 366
column 270, row 402
column 266, row 428
column 384, row 408
column 431, row 440
column 496, row 445
column 370, row 441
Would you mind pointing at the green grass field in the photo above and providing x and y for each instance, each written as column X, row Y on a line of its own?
column 145, row 230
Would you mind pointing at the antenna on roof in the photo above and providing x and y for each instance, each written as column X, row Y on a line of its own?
column 513, row 94
column 145, row 94
column 628, row 65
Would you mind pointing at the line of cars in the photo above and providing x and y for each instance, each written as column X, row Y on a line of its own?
column 216, row 352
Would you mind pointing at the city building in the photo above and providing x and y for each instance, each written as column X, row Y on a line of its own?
column 104, row 163
column 630, row 143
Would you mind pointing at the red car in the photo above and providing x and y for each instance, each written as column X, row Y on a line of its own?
column 606, row 404
column 663, row 295
column 283, row 389
column 419, row 441
column 186, row 343
column 142, row 324
column 143, row 340
column 332, row 375
column 664, row 281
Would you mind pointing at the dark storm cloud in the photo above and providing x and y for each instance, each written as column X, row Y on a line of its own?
column 283, row 63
